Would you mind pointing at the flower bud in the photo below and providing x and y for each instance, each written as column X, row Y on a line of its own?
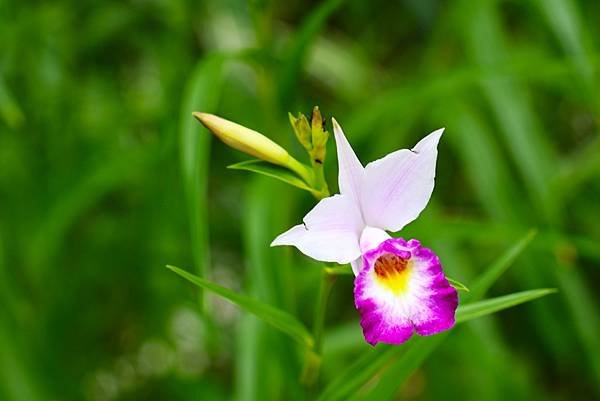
column 244, row 139
column 302, row 130
column 319, row 136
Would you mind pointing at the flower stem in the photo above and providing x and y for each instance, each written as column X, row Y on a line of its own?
column 327, row 281
column 311, row 371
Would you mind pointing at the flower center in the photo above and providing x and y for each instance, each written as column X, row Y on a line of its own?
column 393, row 272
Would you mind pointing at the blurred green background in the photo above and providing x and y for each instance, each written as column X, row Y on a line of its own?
column 105, row 178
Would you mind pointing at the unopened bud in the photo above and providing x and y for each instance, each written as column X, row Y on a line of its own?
column 319, row 136
column 244, row 139
column 302, row 130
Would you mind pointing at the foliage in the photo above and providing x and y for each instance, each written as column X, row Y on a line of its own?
column 105, row 178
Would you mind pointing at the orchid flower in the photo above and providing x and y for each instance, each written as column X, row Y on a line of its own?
column 399, row 286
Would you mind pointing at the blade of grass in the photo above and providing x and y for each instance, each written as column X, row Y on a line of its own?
column 390, row 381
column 485, row 41
column 262, row 283
column 17, row 379
column 488, row 306
column 564, row 19
column 10, row 111
column 277, row 318
column 298, row 49
column 201, row 93
column 498, row 268
column 585, row 314
column 82, row 195
column 475, row 143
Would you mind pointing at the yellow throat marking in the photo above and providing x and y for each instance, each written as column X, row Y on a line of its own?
column 393, row 272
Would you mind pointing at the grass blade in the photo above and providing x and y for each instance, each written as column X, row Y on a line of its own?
column 564, row 19
column 202, row 93
column 391, row 380
column 488, row 306
column 269, row 314
column 297, row 50
column 358, row 373
column 498, row 268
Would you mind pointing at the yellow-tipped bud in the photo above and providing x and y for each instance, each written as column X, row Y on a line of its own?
column 244, row 139
column 319, row 136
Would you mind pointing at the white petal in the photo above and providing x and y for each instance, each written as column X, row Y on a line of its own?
column 357, row 265
column 350, row 170
column 330, row 232
column 397, row 187
column 371, row 237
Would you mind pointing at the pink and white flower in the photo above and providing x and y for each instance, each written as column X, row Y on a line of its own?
column 399, row 286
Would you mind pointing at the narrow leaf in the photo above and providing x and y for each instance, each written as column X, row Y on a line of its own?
column 390, row 381
column 481, row 308
column 273, row 171
column 358, row 373
column 202, row 93
column 275, row 317
column 298, row 48
column 495, row 271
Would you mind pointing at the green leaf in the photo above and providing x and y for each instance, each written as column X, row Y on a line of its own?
column 358, row 373
column 298, row 49
column 488, row 306
column 202, row 93
column 339, row 270
column 418, row 350
column 275, row 317
column 273, row 171
column 498, row 268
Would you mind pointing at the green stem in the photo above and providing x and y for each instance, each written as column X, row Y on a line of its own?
column 319, row 174
column 313, row 363
column 306, row 174
column 327, row 281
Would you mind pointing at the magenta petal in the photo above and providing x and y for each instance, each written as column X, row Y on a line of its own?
column 402, row 289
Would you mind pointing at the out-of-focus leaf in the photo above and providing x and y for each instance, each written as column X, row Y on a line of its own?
column 275, row 317
column 498, row 268
column 390, row 381
column 10, row 111
column 297, row 51
column 358, row 373
column 486, row 44
column 82, row 195
column 273, row 171
column 336, row 270
column 202, row 93
column 563, row 17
